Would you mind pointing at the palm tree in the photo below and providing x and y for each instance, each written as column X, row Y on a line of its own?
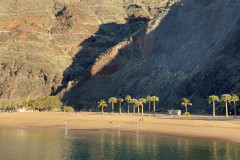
column 149, row 99
column 142, row 100
column 138, row 103
column 120, row 100
column 112, row 100
column 227, row 99
column 213, row 99
column 185, row 103
column 128, row 99
column 133, row 101
column 154, row 99
column 235, row 98
column 102, row 104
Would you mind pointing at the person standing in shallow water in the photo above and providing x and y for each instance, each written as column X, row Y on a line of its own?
column 66, row 123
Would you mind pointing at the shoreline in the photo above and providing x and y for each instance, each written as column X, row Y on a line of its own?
column 195, row 126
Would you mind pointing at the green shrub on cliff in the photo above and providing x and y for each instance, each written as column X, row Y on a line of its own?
column 187, row 114
column 68, row 109
column 50, row 103
column 3, row 106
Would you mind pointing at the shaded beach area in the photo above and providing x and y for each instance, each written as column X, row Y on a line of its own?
column 198, row 126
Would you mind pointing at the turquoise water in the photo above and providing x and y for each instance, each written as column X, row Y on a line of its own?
column 53, row 144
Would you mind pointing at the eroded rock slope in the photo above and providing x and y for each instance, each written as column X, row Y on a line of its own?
column 45, row 45
column 190, row 51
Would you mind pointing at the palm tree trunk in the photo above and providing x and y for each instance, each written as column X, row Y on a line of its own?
column 128, row 107
column 133, row 109
column 120, row 111
column 213, row 108
column 142, row 112
column 102, row 111
column 226, row 110
column 235, row 109
column 186, row 108
column 138, row 110
column 112, row 108
column 153, row 107
column 149, row 103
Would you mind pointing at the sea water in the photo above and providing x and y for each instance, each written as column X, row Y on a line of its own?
column 56, row 144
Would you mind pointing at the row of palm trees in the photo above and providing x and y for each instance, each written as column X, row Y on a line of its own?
column 227, row 98
column 136, row 103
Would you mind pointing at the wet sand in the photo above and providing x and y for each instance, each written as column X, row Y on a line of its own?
column 221, row 128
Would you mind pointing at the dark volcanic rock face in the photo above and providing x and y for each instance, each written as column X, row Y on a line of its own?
column 193, row 51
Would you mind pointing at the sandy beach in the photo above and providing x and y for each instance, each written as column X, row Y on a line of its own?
column 221, row 128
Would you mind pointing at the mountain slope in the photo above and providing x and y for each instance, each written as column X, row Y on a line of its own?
column 193, row 51
column 40, row 41
column 83, row 51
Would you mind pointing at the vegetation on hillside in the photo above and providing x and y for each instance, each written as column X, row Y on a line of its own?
column 52, row 103
column 47, row 103
column 68, row 109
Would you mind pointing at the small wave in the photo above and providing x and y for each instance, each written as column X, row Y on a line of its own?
column 70, row 137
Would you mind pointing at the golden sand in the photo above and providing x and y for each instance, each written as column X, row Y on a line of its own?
column 221, row 128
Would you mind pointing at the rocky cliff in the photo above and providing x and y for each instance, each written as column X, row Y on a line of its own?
column 191, row 50
column 83, row 51
column 45, row 44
